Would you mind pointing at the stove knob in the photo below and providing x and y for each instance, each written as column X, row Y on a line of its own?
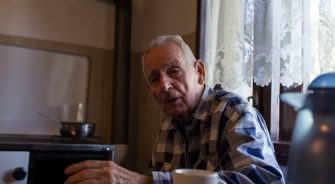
column 19, row 173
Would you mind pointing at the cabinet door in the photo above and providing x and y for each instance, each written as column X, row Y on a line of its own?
column 14, row 167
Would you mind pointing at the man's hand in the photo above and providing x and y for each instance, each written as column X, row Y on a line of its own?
column 103, row 172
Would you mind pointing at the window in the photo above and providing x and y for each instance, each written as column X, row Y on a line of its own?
column 262, row 48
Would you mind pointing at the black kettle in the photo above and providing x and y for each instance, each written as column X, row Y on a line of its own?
column 312, row 153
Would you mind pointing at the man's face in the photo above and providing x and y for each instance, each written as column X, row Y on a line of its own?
column 172, row 80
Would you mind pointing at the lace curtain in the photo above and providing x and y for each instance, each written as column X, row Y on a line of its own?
column 260, row 41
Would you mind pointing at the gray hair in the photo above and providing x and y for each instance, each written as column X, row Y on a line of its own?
column 176, row 39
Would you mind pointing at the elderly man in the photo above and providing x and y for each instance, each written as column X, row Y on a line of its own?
column 205, row 128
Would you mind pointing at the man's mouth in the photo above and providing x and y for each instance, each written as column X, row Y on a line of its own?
column 173, row 100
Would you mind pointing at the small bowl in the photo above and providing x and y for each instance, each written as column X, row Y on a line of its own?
column 77, row 129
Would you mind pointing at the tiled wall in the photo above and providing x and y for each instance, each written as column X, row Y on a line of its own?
column 99, row 103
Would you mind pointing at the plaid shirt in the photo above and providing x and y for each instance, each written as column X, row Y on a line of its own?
column 225, row 135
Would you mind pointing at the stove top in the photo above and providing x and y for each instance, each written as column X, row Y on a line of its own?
column 79, row 140
column 50, row 139
column 52, row 142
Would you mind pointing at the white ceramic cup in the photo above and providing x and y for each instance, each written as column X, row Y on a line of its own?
column 195, row 176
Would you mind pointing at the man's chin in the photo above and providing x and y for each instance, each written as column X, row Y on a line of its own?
column 175, row 112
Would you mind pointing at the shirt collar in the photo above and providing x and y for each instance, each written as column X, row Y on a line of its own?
column 202, row 108
column 205, row 102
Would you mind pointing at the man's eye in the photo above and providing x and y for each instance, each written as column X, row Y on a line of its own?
column 152, row 80
column 174, row 72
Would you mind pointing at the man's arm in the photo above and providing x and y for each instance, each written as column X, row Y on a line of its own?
column 246, row 152
column 103, row 172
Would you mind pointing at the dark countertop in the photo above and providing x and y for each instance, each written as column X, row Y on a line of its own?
column 12, row 142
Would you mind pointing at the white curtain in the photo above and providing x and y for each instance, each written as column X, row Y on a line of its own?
column 260, row 41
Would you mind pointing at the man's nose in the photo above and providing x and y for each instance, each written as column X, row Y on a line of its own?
column 165, row 83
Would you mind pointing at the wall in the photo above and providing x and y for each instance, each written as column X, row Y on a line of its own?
column 82, row 22
column 81, row 27
column 152, row 18
column 155, row 17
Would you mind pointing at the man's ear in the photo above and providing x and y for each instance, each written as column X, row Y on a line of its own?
column 200, row 69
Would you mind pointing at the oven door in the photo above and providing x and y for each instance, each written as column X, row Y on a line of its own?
column 48, row 166
column 14, row 167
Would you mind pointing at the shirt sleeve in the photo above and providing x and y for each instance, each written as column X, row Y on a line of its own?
column 246, row 153
column 160, row 177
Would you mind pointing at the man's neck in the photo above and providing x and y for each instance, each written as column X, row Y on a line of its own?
column 183, row 120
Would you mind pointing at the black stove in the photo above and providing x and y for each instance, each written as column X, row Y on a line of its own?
column 49, row 155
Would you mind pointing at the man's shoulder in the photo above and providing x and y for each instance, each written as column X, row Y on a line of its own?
column 231, row 104
column 218, row 100
column 230, row 97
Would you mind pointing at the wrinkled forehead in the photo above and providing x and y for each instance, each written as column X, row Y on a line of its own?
column 165, row 51
column 163, row 55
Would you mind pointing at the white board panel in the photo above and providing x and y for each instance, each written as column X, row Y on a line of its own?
column 34, row 81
